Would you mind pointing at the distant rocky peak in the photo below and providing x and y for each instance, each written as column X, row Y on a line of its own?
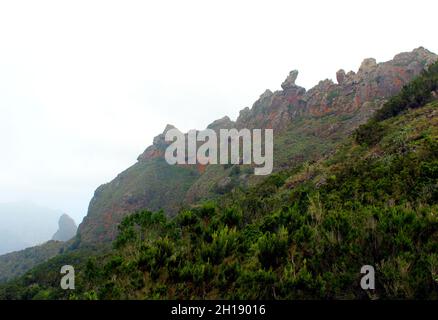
column 66, row 230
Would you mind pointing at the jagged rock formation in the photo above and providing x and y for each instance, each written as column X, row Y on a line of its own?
column 67, row 229
column 156, row 150
column 306, row 125
column 373, row 81
column 290, row 80
column 223, row 123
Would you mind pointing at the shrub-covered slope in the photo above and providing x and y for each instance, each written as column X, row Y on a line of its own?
column 306, row 124
column 300, row 236
column 15, row 264
column 301, row 233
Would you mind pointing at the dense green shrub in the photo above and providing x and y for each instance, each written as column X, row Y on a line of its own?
column 272, row 248
column 374, row 203
column 370, row 133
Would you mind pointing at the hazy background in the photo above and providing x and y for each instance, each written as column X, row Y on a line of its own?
column 86, row 85
column 24, row 224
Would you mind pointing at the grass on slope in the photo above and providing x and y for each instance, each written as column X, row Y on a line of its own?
column 300, row 234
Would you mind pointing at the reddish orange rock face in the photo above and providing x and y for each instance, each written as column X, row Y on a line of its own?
column 355, row 97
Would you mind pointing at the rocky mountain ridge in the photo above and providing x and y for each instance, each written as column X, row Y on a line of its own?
column 313, row 121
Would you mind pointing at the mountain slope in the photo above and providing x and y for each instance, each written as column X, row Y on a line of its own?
column 17, row 263
column 307, row 125
column 151, row 183
column 298, row 236
column 301, row 233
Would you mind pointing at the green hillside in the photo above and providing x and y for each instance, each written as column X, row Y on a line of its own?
column 145, row 184
column 302, row 233
column 307, row 124
column 17, row 263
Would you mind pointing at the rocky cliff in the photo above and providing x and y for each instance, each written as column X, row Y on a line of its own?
column 307, row 125
column 353, row 91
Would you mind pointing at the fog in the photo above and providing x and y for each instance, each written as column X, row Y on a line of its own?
column 24, row 224
column 86, row 85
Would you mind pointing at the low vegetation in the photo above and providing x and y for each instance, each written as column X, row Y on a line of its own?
column 302, row 233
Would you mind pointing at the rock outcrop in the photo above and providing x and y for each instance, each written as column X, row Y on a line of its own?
column 223, row 123
column 290, row 80
column 306, row 123
column 158, row 147
column 373, row 82
column 67, row 229
column 340, row 76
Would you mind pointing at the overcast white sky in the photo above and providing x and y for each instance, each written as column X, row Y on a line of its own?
column 86, row 85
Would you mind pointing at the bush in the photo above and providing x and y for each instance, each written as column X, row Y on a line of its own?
column 370, row 133
column 272, row 248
